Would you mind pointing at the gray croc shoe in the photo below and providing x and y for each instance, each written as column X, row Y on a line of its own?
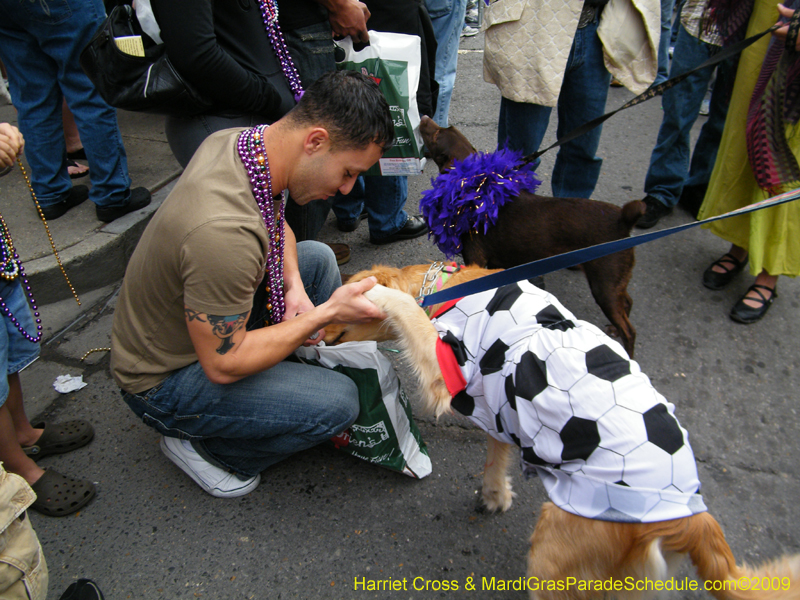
column 58, row 438
column 58, row 495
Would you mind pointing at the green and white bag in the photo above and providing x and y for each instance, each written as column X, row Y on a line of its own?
column 394, row 61
column 384, row 432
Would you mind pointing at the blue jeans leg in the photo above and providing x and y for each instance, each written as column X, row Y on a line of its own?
column 40, row 44
column 705, row 149
column 583, row 95
column 447, row 17
column 251, row 424
column 383, row 197
column 16, row 351
column 669, row 161
column 582, row 98
column 312, row 51
column 676, row 23
column 185, row 134
column 521, row 126
column 664, row 41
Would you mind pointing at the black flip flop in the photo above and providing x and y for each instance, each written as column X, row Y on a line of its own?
column 72, row 163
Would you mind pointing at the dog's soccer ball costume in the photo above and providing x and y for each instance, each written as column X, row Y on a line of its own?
column 587, row 420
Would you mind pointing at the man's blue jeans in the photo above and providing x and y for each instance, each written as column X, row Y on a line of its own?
column 447, row 17
column 664, row 40
column 40, row 45
column 583, row 95
column 670, row 169
column 383, row 197
column 312, row 52
column 258, row 421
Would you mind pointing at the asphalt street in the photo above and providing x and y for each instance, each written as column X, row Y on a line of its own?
column 324, row 525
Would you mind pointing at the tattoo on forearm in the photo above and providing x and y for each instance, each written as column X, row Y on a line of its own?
column 224, row 327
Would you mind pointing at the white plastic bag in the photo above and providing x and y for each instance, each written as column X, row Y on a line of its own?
column 394, row 61
column 385, row 432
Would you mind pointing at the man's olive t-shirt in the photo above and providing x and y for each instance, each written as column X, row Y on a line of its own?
column 205, row 248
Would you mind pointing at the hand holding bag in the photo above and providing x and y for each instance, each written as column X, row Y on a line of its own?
column 145, row 83
column 384, row 432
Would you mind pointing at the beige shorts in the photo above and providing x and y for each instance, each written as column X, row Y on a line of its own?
column 23, row 570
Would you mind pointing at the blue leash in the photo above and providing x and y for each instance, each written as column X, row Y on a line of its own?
column 577, row 257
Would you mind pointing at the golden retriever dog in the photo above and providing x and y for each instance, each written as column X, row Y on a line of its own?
column 624, row 495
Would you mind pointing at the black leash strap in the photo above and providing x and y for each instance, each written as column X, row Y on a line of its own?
column 659, row 89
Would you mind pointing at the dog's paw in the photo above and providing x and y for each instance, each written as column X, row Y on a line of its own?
column 499, row 499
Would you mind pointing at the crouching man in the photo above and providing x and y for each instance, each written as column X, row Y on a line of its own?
column 217, row 293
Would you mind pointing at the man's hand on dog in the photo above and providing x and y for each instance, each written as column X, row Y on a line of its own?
column 349, row 305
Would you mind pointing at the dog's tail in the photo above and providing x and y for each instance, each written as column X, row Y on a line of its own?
column 701, row 537
column 632, row 212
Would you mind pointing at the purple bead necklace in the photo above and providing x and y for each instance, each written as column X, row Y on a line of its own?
column 254, row 157
column 10, row 269
column 269, row 12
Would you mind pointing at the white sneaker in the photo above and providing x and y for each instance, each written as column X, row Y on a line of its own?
column 469, row 31
column 217, row 482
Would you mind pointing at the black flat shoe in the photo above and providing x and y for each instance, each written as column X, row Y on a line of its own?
column 655, row 211
column 742, row 313
column 716, row 281
column 414, row 227
column 77, row 195
column 140, row 197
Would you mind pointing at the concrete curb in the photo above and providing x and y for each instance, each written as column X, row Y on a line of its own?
column 98, row 260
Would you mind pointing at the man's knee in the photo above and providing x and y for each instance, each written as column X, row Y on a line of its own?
column 344, row 408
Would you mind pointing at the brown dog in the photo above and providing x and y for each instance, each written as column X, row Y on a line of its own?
column 630, row 545
column 412, row 280
column 534, row 227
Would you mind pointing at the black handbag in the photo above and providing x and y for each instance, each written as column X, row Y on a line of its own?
column 142, row 84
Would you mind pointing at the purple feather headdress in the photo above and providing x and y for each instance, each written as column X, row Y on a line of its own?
column 469, row 196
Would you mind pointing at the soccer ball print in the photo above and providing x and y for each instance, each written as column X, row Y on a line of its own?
column 587, row 420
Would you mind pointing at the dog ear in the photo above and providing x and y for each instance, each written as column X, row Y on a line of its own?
column 386, row 276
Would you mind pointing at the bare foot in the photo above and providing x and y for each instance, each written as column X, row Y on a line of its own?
column 76, row 169
column 29, row 437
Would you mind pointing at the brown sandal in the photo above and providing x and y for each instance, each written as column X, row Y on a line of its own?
column 58, row 438
column 58, row 495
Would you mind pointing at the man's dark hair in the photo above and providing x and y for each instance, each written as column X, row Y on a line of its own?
column 351, row 107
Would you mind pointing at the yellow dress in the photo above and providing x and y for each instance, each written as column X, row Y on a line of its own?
column 771, row 236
